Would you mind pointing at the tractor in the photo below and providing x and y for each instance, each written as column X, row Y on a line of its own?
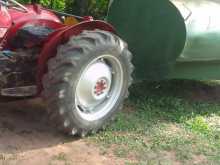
column 79, row 66
column 82, row 68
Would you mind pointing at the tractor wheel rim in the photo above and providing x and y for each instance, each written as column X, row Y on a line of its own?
column 99, row 87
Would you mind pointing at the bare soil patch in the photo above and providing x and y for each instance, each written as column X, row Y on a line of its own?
column 27, row 138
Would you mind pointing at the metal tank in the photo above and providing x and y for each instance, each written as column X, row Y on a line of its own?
column 155, row 32
column 170, row 38
column 202, row 19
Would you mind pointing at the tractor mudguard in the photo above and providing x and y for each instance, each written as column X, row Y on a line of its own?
column 60, row 37
column 155, row 32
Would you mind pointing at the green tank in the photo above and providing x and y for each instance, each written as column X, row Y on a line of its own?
column 170, row 39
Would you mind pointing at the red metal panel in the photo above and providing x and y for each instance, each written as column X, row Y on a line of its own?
column 36, row 15
column 35, row 12
column 5, row 20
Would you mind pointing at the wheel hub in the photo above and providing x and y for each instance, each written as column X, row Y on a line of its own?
column 94, row 85
column 99, row 87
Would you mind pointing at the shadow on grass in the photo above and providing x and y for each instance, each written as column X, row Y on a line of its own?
column 152, row 104
column 168, row 116
column 176, row 100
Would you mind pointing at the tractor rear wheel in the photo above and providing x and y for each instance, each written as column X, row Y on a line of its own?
column 87, row 82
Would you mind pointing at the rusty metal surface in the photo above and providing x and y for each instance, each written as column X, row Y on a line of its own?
column 18, row 68
column 202, row 19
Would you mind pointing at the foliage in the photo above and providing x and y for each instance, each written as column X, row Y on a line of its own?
column 166, row 123
column 96, row 8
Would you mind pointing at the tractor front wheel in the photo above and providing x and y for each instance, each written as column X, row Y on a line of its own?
column 87, row 82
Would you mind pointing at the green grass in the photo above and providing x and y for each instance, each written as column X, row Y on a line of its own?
column 169, row 122
column 61, row 157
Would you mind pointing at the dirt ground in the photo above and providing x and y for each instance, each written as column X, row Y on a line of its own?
column 26, row 138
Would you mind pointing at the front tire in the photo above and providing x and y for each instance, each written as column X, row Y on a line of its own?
column 87, row 82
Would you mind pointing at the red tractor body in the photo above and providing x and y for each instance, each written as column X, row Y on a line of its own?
column 5, row 21
column 80, row 67
column 13, row 21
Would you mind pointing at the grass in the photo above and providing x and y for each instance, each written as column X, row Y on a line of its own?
column 171, row 122
column 61, row 157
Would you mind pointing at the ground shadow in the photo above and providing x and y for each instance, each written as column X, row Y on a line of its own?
column 195, row 91
column 175, row 100
column 24, row 126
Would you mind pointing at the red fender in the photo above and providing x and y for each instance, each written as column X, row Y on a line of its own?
column 62, row 36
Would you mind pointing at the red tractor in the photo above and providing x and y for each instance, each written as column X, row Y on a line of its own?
column 79, row 66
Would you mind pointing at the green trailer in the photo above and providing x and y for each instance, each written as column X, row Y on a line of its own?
column 176, row 39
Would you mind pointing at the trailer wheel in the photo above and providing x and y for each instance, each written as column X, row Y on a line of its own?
column 87, row 82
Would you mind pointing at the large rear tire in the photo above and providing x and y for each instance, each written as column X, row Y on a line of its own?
column 87, row 82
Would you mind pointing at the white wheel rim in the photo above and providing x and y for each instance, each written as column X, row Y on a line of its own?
column 99, row 87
